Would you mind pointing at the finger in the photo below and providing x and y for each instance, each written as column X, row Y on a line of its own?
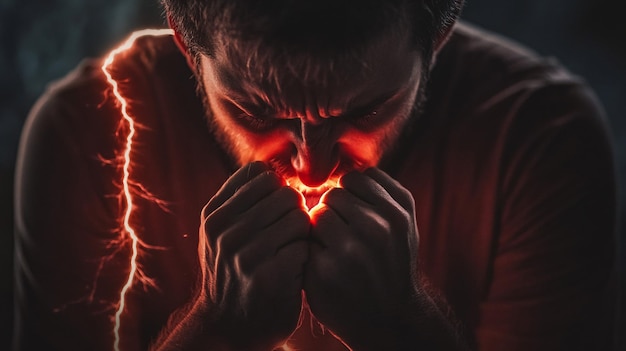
column 393, row 187
column 228, row 189
column 273, row 207
column 370, row 191
column 251, row 193
column 230, row 212
column 404, row 198
column 281, row 212
column 328, row 228
column 292, row 229
column 281, row 276
column 364, row 187
column 363, row 219
column 330, row 272
column 288, row 262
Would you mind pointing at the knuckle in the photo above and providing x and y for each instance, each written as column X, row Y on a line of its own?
column 298, row 219
column 351, row 248
column 206, row 211
column 209, row 229
column 272, row 178
column 407, row 219
column 288, row 195
column 349, row 178
column 301, row 217
column 225, row 245
column 241, row 265
column 256, row 167
column 399, row 216
column 333, row 195
column 213, row 223
column 348, row 247
column 407, row 199
column 322, row 217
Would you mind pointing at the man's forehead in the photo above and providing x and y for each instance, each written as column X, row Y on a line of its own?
column 273, row 79
column 283, row 73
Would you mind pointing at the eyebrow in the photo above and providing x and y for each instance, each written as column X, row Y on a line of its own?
column 265, row 109
column 368, row 107
column 252, row 108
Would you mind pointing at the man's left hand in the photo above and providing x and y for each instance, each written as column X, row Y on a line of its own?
column 362, row 273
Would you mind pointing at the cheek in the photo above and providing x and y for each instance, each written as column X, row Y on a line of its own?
column 270, row 145
column 364, row 148
column 249, row 146
column 258, row 146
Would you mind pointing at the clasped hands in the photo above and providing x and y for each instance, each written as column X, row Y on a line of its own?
column 353, row 256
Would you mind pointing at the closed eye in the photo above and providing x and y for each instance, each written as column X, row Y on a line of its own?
column 368, row 118
column 257, row 123
column 249, row 117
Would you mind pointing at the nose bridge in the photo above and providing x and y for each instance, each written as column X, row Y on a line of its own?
column 313, row 135
column 316, row 157
column 312, row 125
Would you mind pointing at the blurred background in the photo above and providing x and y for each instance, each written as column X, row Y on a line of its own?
column 43, row 39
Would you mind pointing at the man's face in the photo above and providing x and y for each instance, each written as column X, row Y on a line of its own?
column 312, row 134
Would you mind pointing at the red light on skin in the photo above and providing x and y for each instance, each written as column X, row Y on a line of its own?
column 311, row 195
column 128, row 230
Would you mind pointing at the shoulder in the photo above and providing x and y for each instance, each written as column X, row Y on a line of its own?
column 489, row 61
column 489, row 83
column 80, row 108
column 482, row 69
column 544, row 128
column 76, row 124
column 521, row 120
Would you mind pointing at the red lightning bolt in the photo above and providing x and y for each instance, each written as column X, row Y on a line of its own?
column 128, row 197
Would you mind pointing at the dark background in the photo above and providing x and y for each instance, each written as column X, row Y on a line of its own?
column 43, row 39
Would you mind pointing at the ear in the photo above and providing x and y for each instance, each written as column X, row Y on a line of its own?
column 440, row 42
column 443, row 37
column 180, row 43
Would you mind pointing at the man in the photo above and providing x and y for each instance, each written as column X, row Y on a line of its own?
column 335, row 130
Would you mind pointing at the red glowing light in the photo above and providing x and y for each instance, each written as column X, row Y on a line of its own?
column 126, row 181
column 311, row 195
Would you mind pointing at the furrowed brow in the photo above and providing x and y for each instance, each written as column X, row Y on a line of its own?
column 361, row 108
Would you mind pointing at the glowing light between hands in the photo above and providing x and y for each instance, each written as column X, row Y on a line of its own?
column 127, row 194
column 311, row 195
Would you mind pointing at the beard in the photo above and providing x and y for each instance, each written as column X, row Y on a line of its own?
column 220, row 136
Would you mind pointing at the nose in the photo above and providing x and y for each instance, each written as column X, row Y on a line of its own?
column 316, row 156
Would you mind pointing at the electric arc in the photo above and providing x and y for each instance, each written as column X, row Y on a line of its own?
column 128, row 230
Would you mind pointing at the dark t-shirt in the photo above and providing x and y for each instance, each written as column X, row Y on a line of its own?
column 510, row 166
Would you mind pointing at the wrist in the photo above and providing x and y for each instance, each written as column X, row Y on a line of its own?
column 225, row 333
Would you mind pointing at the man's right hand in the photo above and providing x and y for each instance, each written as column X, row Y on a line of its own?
column 254, row 235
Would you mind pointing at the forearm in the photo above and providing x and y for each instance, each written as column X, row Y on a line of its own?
column 200, row 326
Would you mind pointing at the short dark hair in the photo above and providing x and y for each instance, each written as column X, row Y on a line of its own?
column 322, row 26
